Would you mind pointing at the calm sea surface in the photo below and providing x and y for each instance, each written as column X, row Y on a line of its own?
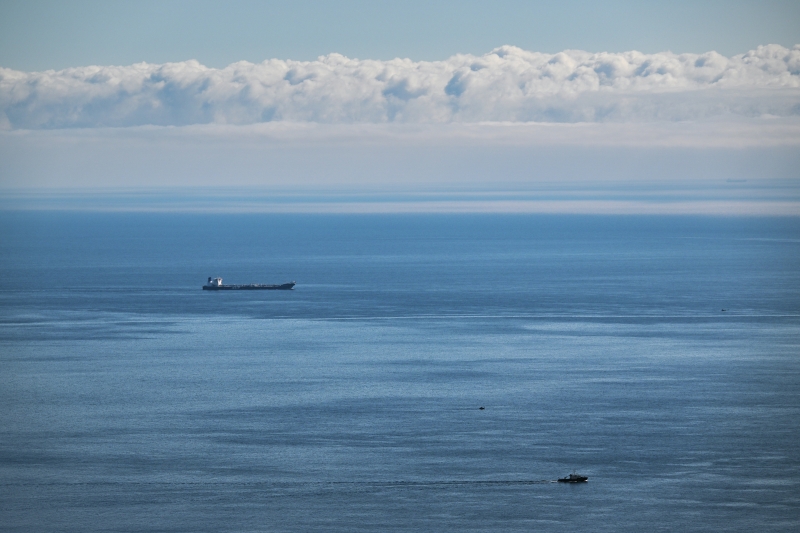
column 131, row 400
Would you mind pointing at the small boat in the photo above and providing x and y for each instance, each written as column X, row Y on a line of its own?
column 573, row 478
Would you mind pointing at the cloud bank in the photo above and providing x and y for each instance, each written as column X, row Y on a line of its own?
column 506, row 85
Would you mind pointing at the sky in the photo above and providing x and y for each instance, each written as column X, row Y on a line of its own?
column 56, row 34
column 673, row 107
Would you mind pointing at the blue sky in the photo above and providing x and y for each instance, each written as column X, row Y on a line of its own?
column 44, row 34
column 578, row 106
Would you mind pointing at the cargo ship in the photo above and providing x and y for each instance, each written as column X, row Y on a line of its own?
column 215, row 284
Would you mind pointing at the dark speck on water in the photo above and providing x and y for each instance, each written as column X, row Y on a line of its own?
column 134, row 401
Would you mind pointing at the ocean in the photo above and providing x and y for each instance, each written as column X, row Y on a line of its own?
column 657, row 355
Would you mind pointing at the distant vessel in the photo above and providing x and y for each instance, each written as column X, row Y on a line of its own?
column 573, row 478
column 215, row 284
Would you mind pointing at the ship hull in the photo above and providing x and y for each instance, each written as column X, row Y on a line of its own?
column 254, row 287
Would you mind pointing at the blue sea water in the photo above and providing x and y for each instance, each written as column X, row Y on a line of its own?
column 134, row 401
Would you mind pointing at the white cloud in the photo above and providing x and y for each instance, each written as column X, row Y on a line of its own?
column 507, row 84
